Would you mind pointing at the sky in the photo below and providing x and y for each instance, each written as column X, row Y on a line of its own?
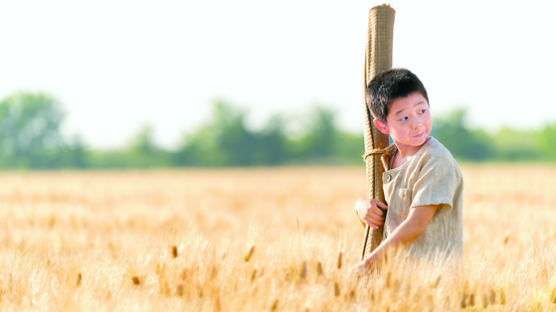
column 116, row 65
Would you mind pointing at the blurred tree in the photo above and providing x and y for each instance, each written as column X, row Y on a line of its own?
column 200, row 148
column 272, row 143
column 350, row 147
column 516, row 145
column 223, row 140
column 142, row 151
column 321, row 133
column 318, row 141
column 30, row 137
column 547, row 141
column 30, row 130
column 74, row 154
column 237, row 142
column 463, row 143
column 78, row 152
column 108, row 159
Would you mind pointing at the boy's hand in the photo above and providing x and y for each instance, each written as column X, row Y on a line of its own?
column 358, row 271
column 364, row 268
column 369, row 212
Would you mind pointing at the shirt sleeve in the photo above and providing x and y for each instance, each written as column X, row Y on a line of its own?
column 436, row 183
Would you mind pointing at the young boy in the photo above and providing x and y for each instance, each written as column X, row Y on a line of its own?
column 422, row 182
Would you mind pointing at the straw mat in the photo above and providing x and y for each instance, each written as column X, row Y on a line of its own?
column 378, row 58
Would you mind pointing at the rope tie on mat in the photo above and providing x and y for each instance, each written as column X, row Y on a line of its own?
column 376, row 151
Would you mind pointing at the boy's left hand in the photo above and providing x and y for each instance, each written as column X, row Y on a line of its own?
column 370, row 213
column 358, row 271
column 363, row 268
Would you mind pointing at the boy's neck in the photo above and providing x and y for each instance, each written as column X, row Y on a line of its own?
column 406, row 151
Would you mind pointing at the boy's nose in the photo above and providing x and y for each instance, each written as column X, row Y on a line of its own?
column 416, row 124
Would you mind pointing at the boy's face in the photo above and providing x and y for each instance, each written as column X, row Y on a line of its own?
column 408, row 122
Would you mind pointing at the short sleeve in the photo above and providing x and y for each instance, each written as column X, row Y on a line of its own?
column 436, row 183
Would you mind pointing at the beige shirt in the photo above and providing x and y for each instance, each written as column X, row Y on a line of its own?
column 430, row 177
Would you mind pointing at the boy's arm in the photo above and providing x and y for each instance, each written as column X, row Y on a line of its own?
column 408, row 231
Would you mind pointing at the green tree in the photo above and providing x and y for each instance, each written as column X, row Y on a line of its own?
column 143, row 152
column 75, row 154
column 30, row 131
column 516, row 145
column 223, row 141
column 547, row 141
column 272, row 143
column 462, row 142
column 321, row 133
column 350, row 147
column 317, row 143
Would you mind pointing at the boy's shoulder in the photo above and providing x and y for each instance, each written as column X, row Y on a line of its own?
column 434, row 151
column 434, row 147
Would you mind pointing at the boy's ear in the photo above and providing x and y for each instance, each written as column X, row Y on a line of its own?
column 381, row 126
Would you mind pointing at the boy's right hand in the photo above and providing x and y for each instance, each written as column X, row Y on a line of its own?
column 369, row 212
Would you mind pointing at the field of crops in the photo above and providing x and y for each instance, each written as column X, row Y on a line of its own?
column 260, row 239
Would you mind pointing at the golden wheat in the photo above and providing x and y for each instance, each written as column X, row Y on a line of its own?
column 185, row 240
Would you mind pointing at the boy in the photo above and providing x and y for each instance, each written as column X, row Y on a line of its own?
column 422, row 182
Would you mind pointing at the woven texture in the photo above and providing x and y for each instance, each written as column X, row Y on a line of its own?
column 378, row 58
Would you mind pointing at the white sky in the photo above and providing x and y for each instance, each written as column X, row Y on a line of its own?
column 117, row 64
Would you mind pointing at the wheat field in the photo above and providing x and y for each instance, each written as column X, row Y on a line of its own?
column 280, row 239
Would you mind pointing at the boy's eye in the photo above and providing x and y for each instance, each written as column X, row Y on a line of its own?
column 404, row 118
column 423, row 111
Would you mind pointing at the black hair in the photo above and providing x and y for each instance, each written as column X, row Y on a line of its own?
column 389, row 85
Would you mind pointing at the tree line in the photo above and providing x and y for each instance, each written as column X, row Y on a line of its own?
column 30, row 138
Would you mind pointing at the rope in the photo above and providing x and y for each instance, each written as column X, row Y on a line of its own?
column 376, row 151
